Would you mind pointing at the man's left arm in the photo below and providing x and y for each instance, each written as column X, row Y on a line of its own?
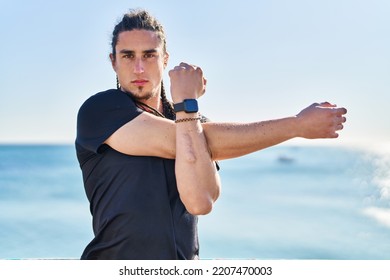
column 197, row 179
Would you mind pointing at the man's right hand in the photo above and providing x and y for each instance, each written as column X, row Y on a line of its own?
column 187, row 82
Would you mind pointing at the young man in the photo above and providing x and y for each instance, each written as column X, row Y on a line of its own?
column 149, row 167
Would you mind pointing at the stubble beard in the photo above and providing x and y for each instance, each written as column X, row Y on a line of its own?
column 142, row 95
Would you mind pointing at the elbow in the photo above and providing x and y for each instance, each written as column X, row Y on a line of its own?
column 201, row 206
column 197, row 209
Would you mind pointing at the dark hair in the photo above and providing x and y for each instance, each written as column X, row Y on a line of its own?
column 141, row 19
column 138, row 19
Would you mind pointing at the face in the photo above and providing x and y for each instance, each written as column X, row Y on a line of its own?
column 139, row 63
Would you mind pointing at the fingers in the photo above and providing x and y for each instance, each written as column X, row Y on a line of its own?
column 187, row 81
column 338, row 123
column 325, row 104
column 338, row 111
column 341, row 111
column 339, row 119
column 322, row 120
column 338, row 127
column 186, row 66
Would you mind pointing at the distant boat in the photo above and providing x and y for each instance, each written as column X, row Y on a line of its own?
column 285, row 159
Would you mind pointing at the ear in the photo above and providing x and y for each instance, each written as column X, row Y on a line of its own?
column 113, row 61
column 166, row 58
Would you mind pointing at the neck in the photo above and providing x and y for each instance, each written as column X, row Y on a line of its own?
column 153, row 101
column 150, row 109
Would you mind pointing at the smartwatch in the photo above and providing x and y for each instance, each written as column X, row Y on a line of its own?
column 188, row 106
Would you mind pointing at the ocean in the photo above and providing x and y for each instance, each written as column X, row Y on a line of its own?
column 285, row 202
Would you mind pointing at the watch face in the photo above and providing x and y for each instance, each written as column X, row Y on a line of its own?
column 190, row 106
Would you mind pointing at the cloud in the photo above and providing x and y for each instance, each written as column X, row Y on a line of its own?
column 382, row 175
column 381, row 215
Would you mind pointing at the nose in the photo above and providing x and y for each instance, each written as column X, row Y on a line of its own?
column 139, row 66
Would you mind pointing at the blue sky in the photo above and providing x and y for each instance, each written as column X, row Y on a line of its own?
column 263, row 60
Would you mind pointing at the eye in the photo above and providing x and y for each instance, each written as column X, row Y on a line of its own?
column 128, row 56
column 149, row 55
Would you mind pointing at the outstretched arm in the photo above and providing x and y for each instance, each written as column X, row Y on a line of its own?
column 230, row 140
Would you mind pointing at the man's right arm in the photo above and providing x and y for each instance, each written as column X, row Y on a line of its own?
column 147, row 135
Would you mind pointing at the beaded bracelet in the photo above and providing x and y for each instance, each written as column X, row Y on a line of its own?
column 187, row 120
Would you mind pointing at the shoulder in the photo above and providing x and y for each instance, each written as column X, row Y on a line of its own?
column 106, row 109
column 107, row 102
column 101, row 115
column 106, row 98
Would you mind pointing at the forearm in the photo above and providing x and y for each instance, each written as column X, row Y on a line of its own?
column 196, row 176
column 231, row 140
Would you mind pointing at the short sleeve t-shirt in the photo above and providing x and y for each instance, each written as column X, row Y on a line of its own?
column 135, row 205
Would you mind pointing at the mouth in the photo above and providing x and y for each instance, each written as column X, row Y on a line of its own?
column 139, row 83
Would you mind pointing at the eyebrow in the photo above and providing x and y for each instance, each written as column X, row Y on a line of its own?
column 125, row 51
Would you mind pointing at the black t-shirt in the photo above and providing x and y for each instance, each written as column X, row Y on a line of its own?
column 135, row 205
